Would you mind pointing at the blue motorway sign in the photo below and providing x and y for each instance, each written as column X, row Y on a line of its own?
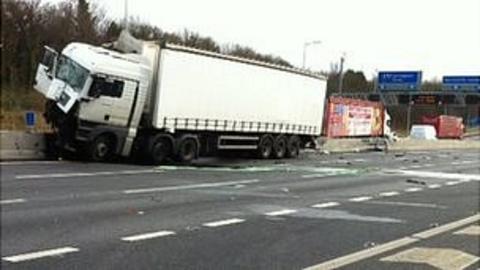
column 30, row 119
column 399, row 80
column 461, row 83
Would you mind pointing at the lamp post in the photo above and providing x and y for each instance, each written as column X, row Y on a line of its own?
column 126, row 14
column 305, row 45
column 340, row 77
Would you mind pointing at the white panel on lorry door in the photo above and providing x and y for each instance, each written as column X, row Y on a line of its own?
column 200, row 87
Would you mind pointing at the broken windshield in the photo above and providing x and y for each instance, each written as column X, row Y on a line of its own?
column 71, row 73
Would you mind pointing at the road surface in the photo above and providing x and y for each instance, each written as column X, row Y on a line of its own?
column 418, row 210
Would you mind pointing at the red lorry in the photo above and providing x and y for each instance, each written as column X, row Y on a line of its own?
column 447, row 126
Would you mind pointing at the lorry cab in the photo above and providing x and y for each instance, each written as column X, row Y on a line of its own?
column 104, row 90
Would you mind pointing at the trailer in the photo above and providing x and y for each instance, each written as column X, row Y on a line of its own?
column 165, row 101
column 346, row 118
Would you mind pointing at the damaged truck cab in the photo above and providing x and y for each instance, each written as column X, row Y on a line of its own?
column 95, row 98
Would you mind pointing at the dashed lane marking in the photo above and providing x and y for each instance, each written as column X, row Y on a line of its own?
column 379, row 249
column 452, row 183
column 471, row 230
column 360, row 199
column 146, row 236
column 440, row 258
column 408, row 204
column 12, row 201
column 40, row 254
column 84, row 174
column 427, row 174
column 414, row 189
column 43, row 162
column 389, row 194
column 194, row 186
column 325, row 205
column 223, row 222
column 434, row 186
column 281, row 212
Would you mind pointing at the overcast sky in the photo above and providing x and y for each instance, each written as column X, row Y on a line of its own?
column 439, row 37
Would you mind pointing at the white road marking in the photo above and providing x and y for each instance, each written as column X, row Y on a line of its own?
column 439, row 258
column 84, row 174
column 426, row 174
column 360, row 199
column 409, row 204
column 12, row 201
column 325, row 205
column 193, row 186
column 281, row 212
column 452, row 183
column 416, row 166
column 145, row 236
column 388, row 194
column 414, row 189
column 40, row 254
column 223, row 222
column 317, row 175
column 42, row 162
column 434, row 186
column 428, row 165
column 471, row 230
column 379, row 249
column 456, row 163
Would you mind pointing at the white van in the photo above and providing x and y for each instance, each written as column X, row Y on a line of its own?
column 423, row 132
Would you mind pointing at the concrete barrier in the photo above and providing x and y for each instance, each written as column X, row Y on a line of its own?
column 20, row 145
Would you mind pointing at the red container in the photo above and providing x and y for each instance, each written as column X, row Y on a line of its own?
column 346, row 117
column 447, row 126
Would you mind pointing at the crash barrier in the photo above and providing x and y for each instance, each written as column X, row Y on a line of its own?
column 21, row 145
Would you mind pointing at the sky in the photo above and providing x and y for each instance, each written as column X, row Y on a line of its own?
column 439, row 37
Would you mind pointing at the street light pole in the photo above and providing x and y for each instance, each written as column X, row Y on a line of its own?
column 305, row 45
column 126, row 15
column 340, row 82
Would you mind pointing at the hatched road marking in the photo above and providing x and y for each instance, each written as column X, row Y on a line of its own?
column 471, row 230
column 440, row 258
column 40, row 254
column 202, row 185
column 379, row 249
column 145, row 236
column 225, row 222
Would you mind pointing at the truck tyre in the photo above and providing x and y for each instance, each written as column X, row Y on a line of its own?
column 101, row 149
column 265, row 147
column 187, row 149
column 279, row 147
column 293, row 147
column 160, row 149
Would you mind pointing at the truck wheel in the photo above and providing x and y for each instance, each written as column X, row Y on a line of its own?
column 187, row 149
column 293, row 147
column 279, row 147
column 101, row 149
column 265, row 147
column 160, row 149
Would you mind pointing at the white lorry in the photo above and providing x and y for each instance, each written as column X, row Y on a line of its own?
column 162, row 101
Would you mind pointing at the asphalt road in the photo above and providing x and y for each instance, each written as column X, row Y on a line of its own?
column 418, row 210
